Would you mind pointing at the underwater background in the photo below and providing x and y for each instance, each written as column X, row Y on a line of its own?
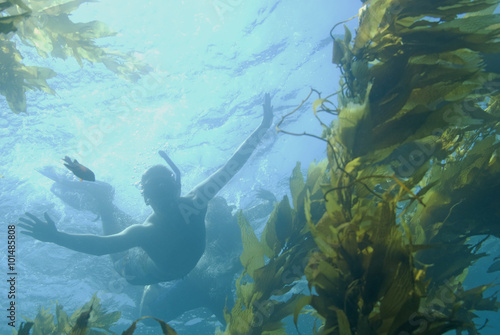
column 209, row 64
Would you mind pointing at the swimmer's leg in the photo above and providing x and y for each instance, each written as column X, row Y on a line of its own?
column 138, row 269
column 96, row 197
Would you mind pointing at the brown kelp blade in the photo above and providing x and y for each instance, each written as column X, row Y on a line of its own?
column 24, row 328
column 80, row 327
column 166, row 329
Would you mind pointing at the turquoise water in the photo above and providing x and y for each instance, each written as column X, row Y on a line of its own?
column 211, row 63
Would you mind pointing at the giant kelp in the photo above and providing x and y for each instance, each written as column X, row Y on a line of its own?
column 285, row 242
column 411, row 175
column 8, row 22
column 46, row 26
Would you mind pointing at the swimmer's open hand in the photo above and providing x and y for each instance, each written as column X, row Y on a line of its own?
column 267, row 120
column 36, row 228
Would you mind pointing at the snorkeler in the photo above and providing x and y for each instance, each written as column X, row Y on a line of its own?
column 210, row 284
column 170, row 242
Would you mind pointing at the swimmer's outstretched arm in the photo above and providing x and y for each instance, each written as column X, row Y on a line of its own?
column 213, row 184
column 89, row 244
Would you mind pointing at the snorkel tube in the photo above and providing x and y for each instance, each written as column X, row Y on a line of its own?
column 172, row 165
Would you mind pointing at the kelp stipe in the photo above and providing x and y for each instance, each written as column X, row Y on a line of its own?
column 411, row 174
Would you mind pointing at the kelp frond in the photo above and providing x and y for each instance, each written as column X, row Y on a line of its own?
column 8, row 22
column 165, row 328
column 264, row 289
column 46, row 26
column 90, row 319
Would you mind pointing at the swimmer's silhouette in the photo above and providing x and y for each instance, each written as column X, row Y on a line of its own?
column 170, row 242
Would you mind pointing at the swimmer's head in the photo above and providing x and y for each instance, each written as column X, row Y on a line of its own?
column 159, row 185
